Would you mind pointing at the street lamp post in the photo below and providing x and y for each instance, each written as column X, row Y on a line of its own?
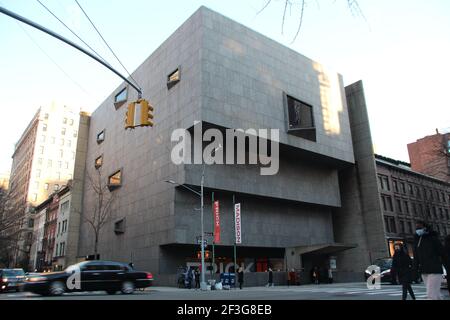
column 202, row 275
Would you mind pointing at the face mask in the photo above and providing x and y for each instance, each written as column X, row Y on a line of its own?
column 420, row 232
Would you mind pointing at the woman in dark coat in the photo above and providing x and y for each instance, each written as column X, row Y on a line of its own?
column 402, row 266
column 240, row 277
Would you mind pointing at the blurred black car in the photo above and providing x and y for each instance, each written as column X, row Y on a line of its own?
column 386, row 274
column 11, row 279
column 94, row 275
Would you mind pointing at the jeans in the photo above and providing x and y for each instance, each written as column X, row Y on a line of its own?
column 433, row 284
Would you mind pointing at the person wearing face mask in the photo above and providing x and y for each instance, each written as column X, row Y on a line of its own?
column 402, row 267
column 428, row 259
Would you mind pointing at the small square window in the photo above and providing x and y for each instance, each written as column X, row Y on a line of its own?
column 101, row 137
column 46, row 116
column 99, row 162
column 115, row 180
column 65, row 121
column 71, row 122
column 63, row 131
column 119, row 226
column 44, row 127
column 173, row 78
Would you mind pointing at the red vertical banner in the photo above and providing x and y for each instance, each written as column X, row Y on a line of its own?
column 216, row 222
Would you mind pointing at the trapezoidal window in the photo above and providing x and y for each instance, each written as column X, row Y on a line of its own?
column 120, row 98
column 173, row 78
column 115, row 180
column 300, row 119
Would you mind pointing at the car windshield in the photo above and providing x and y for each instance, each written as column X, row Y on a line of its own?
column 13, row 273
column 384, row 263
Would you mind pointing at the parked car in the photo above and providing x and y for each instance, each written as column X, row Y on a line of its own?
column 11, row 279
column 93, row 275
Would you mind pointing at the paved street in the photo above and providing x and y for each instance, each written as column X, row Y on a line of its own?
column 350, row 291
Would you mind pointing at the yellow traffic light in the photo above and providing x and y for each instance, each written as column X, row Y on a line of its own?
column 129, row 116
column 146, row 113
column 139, row 114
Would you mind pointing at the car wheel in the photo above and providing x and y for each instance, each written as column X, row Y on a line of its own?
column 56, row 288
column 127, row 287
column 111, row 292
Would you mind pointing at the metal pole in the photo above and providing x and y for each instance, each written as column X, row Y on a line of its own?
column 235, row 262
column 67, row 41
column 203, row 283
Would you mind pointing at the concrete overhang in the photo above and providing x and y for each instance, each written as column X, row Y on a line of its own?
column 323, row 249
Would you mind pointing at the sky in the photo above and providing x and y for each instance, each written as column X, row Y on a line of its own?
column 399, row 48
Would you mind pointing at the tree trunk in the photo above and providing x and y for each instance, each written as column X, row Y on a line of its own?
column 96, row 246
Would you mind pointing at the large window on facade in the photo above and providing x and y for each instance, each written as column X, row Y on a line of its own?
column 300, row 119
column 119, row 226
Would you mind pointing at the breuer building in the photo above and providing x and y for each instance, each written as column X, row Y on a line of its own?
column 320, row 209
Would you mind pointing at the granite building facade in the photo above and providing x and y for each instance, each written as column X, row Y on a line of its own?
column 314, row 211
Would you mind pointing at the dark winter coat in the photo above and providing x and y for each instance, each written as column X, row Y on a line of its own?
column 428, row 254
column 270, row 277
column 241, row 276
column 402, row 267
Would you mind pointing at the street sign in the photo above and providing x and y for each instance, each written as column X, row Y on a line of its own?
column 205, row 242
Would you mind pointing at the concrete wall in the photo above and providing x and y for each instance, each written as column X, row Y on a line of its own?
column 360, row 218
column 143, row 155
column 245, row 74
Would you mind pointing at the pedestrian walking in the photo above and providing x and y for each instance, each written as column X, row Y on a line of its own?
column 189, row 277
column 330, row 275
column 270, row 282
column 315, row 275
column 402, row 266
column 241, row 277
column 429, row 257
column 197, row 278
column 447, row 260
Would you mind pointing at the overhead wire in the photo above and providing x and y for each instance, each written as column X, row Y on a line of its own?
column 112, row 51
column 73, row 32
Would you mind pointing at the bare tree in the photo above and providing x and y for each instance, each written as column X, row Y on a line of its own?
column 100, row 213
column 300, row 7
column 10, row 227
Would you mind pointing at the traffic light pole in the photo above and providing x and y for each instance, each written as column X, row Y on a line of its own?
column 70, row 43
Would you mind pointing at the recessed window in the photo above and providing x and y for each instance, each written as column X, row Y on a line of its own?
column 173, row 78
column 44, row 127
column 65, row 121
column 75, row 133
column 63, row 131
column 119, row 226
column 71, row 122
column 99, row 162
column 101, row 137
column 46, row 116
column 115, row 180
column 121, row 96
column 300, row 119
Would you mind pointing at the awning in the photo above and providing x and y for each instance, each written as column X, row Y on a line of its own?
column 323, row 249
